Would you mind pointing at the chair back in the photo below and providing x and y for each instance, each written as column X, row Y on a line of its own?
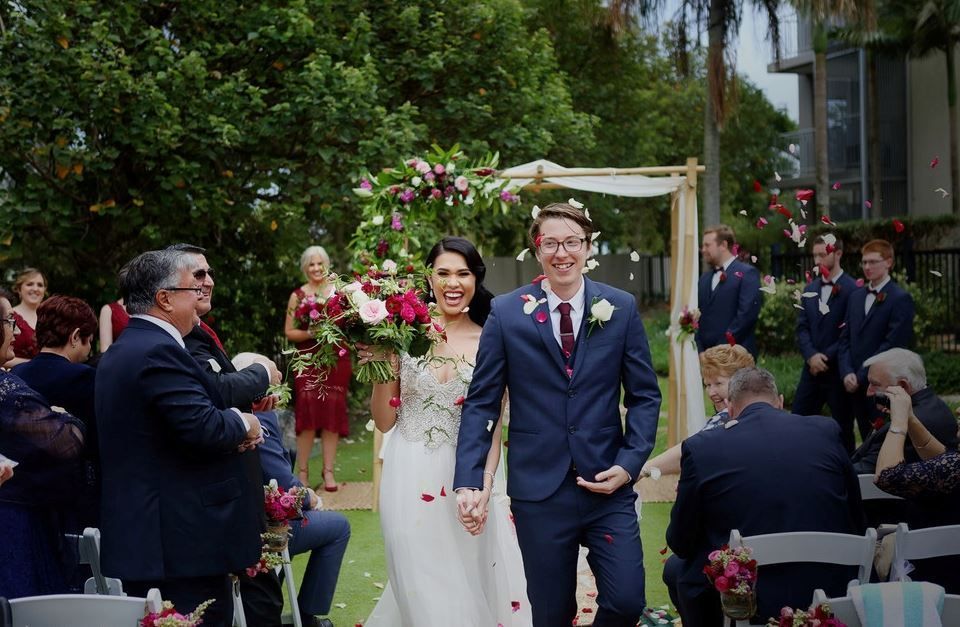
column 818, row 547
column 842, row 608
column 82, row 610
column 870, row 492
column 925, row 543
column 951, row 610
column 88, row 548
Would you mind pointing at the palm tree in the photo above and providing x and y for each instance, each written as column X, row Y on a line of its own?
column 722, row 24
column 821, row 12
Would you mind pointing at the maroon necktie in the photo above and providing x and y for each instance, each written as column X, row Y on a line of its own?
column 566, row 329
column 212, row 334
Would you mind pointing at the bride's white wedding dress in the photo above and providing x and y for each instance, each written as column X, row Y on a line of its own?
column 440, row 575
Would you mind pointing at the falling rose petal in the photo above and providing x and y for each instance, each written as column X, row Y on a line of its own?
column 816, row 270
column 735, row 250
column 786, row 213
column 538, row 240
column 395, row 402
column 743, row 212
column 458, row 401
column 489, row 426
column 586, row 214
column 575, row 203
column 569, row 372
column 664, row 550
column 787, row 233
column 868, row 204
column 634, row 256
column 898, row 226
column 342, row 352
column 443, row 491
column 835, row 186
column 427, row 497
column 826, row 220
column 877, row 424
column 753, row 258
column 937, row 274
column 803, row 213
column 515, row 605
column 608, row 538
column 523, row 254
column 802, row 228
column 796, row 306
column 791, row 282
column 757, row 187
column 824, row 271
column 761, row 222
column 535, row 212
column 859, row 282
column 792, row 148
column 594, row 236
column 538, row 278
column 934, row 162
column 804, row 195
column 541, row 317
column 631, row 276
column 370, row 425
column 810, row 295
column 776, row 175
column 738, row 274
column 587, row 610
column 731, row 340
column 341, row 606
column 942, row 191
column 830, row 248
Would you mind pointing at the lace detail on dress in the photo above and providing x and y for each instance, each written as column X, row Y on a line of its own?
column 937, row 476
column 429, row 411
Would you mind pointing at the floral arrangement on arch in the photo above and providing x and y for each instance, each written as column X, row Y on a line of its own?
column 816, row 616
column 407, row 207
column 383, row 306
column 168, row 616
column 687, row 324
column 732, row 570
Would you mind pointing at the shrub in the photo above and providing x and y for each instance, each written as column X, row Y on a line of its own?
column 943, row 372
column 776, row 326
column 656, row 323
column 786, row 370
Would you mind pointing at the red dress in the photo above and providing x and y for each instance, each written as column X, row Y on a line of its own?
column 330, row 412
column 24, row 344
column 119, row 319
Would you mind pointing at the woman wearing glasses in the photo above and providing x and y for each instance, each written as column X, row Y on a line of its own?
column 29, row 287
column 326, row 414
column 46, row 444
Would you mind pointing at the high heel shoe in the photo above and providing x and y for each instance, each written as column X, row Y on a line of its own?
column 304, row 475
column 329, row 487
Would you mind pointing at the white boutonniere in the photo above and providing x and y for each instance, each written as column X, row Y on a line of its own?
column 600, row 312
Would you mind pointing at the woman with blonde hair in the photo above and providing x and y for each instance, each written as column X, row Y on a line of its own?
column 717, row 366
column 315, row 411
column 30, row 288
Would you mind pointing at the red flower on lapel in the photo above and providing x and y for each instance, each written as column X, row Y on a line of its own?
column 882, row 296
column 723, row 276
column 835, row 290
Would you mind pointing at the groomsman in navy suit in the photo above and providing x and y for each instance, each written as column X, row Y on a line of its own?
column 879, row 317
column 729, row 294
column 565, row 348
column 819, row 325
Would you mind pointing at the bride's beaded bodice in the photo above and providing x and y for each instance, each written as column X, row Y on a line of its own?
column 429, row 410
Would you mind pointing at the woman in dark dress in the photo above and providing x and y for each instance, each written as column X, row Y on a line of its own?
column 326, row 413
column 30, row 287
column 47, row 445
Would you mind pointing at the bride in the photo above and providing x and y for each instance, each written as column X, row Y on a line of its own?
column 439, row 575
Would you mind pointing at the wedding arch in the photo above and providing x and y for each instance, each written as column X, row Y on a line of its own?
column 685, row 407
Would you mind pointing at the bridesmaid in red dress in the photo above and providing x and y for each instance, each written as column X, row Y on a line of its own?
column 30, row 288
column 113, row 320
column 328, row 415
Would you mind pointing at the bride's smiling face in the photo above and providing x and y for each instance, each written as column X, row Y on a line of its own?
column 453, row 283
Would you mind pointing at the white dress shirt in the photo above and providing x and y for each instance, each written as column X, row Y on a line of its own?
column 716, row 275
column 827, row 290
column 576, row 312
column 868, row 302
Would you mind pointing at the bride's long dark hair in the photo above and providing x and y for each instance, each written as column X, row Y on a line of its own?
column 480, row 305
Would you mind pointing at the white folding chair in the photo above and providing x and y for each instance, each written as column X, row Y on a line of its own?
column 870, row 492
column 951, row 610
column 82, row 610
column 842, row 608
column 922, row 544
column 240, row 620
column 88, row 548
column 811, row 546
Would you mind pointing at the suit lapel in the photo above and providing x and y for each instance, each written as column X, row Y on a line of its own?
column 545, row 329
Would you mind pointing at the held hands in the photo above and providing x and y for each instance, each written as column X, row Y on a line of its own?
column 818, row 363
column 850, row 383
column 472, row 509
column 607, row 481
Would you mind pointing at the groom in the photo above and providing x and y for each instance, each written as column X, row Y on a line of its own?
column 564, row 347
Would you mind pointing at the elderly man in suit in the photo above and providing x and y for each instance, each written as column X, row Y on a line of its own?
column 729, row 294
column 573, row 459
column 819, row 325
column 767, row 472
column 879, row 317
column 179, row 512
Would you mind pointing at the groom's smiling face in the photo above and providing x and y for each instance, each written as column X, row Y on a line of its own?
column 563, row 268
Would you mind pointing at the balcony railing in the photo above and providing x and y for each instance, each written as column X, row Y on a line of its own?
column 796, row 38
column 798, row 149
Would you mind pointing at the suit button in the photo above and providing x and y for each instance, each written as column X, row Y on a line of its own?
column 571, row 393
column 572, row 429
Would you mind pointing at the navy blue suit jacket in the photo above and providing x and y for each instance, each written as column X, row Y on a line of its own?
column 176, row 502
column 734, row 306
column 770, row 472
column 820, row 333
column 274, row 458
column 888, row 325
column 556, row 420
column 237, row 388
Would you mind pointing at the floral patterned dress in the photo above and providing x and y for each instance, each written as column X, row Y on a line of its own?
column 440, row 575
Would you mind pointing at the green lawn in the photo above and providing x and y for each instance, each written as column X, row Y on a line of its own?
column 364, row 565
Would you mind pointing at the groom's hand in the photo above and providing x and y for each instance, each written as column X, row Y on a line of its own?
column 468, row 502
column 607, row 481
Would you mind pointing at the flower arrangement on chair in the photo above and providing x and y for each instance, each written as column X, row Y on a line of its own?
column 733, row 572
column 168, row 616
column 281, row 507
column 816, row 616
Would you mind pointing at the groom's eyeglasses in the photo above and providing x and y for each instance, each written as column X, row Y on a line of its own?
column 571, row 245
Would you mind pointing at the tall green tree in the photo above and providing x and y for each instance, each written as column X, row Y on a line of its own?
column 243, row 126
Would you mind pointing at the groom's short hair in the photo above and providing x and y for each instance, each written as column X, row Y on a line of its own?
column 564, row 211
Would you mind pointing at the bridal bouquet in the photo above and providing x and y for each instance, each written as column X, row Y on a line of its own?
column 381, row 308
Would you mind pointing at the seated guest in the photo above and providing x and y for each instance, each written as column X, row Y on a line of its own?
column 717, row 365
column 904, row 368
column 931, row 485
column 46, row 444
column 767, row 471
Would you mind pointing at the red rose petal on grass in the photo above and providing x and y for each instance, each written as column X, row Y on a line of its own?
column 515, row 606
column 664, row 550
column 395, row 402
column 443, row 491
column 608, row 538
column 859, row 282
column 934, row 162
column 459, row 400
column 426, row 497
column 730, row 339
column 898, row 226
column 757, row 187
column 541, row 317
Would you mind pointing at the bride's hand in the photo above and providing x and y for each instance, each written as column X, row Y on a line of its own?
column 367, row 353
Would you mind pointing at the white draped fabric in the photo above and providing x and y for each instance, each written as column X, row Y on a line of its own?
column 630, row 185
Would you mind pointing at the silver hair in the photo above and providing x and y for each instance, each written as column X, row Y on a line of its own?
column 751, row 382
column 146, row 274
column 902, row 364
column 311, row 251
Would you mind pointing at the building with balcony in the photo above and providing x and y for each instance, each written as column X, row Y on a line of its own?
column 913, row 128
